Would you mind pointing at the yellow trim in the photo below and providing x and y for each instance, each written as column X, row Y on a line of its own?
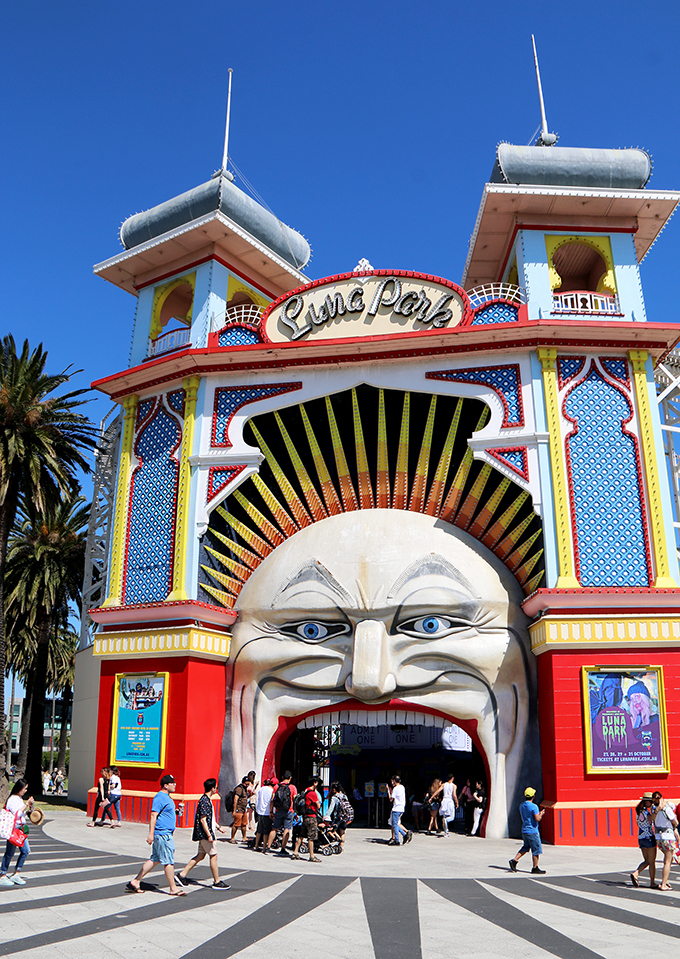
column 604, row 632
column 161, row 293
column 601, row 245
column 164, row 721
column 191, row 384
column 663, row 726
column 567, row 578
column 114, row 597
column 184, row 641
column 235, row 286
column 663, row 579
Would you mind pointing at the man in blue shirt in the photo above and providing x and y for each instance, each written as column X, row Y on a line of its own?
column 531, row 838
column 161, row 828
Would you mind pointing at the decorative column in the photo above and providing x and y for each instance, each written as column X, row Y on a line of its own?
column 663, row 580
column 566, row 578
column 190, row 384
column 121, row 509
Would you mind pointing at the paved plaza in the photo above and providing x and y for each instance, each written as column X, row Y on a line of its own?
column 434, row 897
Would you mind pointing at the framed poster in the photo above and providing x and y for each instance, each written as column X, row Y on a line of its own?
column 140, row 711
column 624, row 714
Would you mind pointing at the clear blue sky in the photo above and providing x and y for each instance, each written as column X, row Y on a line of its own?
column 368, row 126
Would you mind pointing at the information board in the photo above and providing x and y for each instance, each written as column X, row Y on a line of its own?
column 139, row 719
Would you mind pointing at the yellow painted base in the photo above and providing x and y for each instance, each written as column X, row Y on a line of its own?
column 149, row 642
column 603, row 632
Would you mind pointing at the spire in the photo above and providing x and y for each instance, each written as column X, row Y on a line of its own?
column 545, row 139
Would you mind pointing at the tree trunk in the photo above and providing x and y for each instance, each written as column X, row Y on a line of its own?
column 36, row 733
column 11, row 722
column 66, row 700
column 54, row 710
column 6, row 519
column 25, row 727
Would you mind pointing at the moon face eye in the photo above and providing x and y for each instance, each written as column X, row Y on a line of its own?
column 431, row 625
column 312, row 631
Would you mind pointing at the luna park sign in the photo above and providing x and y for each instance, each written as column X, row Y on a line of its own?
column 364, row 305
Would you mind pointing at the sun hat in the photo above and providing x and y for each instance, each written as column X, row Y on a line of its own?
column 36, row 816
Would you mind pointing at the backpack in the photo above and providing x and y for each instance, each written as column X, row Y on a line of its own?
column 229, row 800
column 299, row 804
column 282, row 797
column 345, row 813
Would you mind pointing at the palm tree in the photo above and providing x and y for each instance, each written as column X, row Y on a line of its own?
column 63, row 672
column 42, row 439
column 44, row 574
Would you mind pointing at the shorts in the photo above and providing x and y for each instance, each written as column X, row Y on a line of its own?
column 310, row 827
column 207, row 846
column 647, row 843
column 531, row 842
column 283, row 818
column 264, row 826
column 240, row 819
column 339, row 828
column 666, row 845
column 163, row 849
column 434, row 806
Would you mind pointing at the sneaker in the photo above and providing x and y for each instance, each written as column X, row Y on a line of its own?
column 5, row 881
column 392, row 842
column 537, row 872
column 513, row 865
column 181, row 880
column 408, row 837
column 17, row 880
column 221, row 885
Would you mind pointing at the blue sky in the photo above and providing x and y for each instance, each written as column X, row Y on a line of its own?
column 368, row 126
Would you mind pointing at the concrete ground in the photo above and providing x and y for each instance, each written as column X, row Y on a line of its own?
column 434, row 897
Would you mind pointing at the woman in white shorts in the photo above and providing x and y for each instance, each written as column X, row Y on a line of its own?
column 666, row 832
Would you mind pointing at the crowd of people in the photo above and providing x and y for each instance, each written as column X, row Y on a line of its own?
column 443, row 804
column 53, row 782
column 109, row 794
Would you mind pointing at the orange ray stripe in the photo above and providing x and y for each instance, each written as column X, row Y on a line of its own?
column 363, row 475
column 420, row 479
column 282, row 517
column 318, row 510
column 511, row 539
column 265, row 527
column 400, row 491
column 297, row 508
column 382, row 491
column 450, row 507
column 436, row 494
column 333, row 504
column 501, row 526
column 471, row 502
column 485, row 515
column 349, row 497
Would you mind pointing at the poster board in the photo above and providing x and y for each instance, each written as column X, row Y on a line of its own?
column 140, row 712
column 624, row 717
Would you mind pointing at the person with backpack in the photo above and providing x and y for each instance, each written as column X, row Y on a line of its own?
column 308, row 805
column 283, row 815
column 263, row 814
column 204, row 835
column 239, row 809
column 340, row 812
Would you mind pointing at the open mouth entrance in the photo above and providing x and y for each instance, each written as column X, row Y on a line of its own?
column 364, row 748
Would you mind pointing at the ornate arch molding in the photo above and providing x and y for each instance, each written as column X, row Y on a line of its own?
column 601, row 245
column 162, row 293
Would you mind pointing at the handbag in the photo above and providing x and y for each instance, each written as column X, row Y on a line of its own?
column 6, row 823
column 18, row 837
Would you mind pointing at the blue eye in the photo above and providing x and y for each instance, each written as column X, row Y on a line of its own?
column 431, row 625
column 312, row 631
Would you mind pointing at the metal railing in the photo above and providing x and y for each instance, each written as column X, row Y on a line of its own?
column 169, row 341
column 247, row 313
column 583, row 301
column 496, row 291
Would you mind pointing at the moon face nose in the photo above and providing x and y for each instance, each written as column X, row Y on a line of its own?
column 371, row 677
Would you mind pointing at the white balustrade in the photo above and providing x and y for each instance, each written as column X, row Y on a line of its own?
column 496, row 291
column 583, row 301
column 169, row 341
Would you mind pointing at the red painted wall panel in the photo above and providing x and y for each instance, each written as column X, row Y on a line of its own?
column 196, row 704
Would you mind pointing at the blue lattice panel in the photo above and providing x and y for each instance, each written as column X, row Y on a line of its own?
column 603, row 465
column 495, row 313
column 515, row 457
column 231, row 399
column 151, row 524
column 219, row 477
column 617, row 368
column 176, row 401
column 238, row 336
column 503, row 380
column 569, row 367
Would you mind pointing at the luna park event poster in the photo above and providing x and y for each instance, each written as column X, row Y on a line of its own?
column 624, row 712
column 139, row 719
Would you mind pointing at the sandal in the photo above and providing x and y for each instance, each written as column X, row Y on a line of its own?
column 667, row 888
column 634, row 880
column 654, row 885
column 180, row 892
column 314, row 859
column 131, row 888
column 295, row 856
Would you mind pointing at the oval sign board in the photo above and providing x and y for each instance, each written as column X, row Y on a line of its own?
column 359, row 305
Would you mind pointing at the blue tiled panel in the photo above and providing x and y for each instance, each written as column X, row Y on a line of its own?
column 496, row 313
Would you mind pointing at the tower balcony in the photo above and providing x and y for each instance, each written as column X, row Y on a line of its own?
column 585, row 302
column 168, row 342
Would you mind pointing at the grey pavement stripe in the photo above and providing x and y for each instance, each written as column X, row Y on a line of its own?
column 81, row 862
column 392, row 912
column 616, row 889
column 468, row 894
column 241, row 886
column 555, row 897
column 82, row 875
column 308, row 893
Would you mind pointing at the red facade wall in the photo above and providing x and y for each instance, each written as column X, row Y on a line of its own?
column 195, row 726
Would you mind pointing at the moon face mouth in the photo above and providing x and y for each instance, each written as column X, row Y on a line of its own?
column 391, row 713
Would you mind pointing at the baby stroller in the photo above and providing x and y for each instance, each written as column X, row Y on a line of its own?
column 327, row 844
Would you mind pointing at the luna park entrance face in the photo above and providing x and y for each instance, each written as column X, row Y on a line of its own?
column 364, row 758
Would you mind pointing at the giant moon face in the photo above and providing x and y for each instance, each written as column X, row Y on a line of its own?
column 385, row 609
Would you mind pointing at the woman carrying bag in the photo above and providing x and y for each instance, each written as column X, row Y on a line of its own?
column 18, row 839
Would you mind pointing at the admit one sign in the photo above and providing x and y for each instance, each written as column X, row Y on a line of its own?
column 356, row 305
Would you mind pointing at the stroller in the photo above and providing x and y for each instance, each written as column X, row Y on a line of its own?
column 328, row 842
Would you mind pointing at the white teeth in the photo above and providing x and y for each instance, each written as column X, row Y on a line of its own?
column 373, row 718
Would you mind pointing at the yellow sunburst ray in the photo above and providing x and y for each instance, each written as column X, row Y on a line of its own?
column 318, row 510
column 512, row 538
column 237, row 568
column 501, row 526
column 382, row 483
column 450, row 507
column 249, row 558
column 486, row 513
column 534, row 582
column 266, row 528
column 436, row 494
column 349, row 497
column 514, row 560
column 232, row 585
column 247, row 535
column 471, row 501
column 280, row 514
column 363, row 474
column 297, row 508
column 400, row 489
column 224, row 598
column 525, row 569
column 333, row 504
column 420, row 479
